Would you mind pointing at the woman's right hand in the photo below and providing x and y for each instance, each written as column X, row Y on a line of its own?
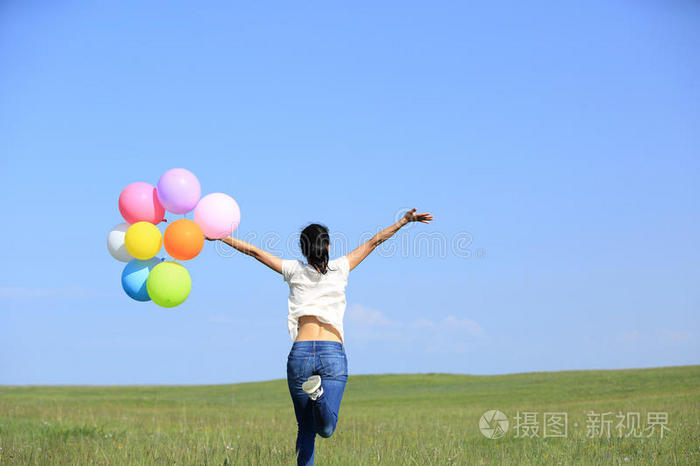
column 412, row 216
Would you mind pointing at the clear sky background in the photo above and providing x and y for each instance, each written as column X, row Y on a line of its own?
column 564, row 140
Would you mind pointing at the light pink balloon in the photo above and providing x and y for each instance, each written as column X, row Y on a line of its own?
column 218, row 215
column 139, row 202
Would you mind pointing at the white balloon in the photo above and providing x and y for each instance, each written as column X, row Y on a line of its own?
column 115, row 242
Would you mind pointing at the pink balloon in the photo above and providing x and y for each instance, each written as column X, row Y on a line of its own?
column 178, row 190
column 139, row 202
column 218, row 215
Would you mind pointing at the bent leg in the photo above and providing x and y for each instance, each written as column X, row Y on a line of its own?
column 334, row 376
column 327, row 406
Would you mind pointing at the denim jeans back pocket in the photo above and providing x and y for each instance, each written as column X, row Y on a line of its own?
column 298, row 366
column 333, row 365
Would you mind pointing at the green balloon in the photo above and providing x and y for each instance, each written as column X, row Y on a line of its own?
column 168, row 284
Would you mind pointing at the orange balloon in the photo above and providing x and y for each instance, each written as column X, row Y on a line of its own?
column 183, row 239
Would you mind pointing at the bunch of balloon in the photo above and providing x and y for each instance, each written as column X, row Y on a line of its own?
column 139, row 240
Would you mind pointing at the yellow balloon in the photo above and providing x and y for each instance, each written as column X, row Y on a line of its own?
column 143, row 240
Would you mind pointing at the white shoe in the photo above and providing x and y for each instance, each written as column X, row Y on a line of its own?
column 312, row 387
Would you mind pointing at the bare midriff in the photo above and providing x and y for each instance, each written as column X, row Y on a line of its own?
column 310, row 328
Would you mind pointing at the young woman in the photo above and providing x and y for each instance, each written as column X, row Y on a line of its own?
column 317, row 368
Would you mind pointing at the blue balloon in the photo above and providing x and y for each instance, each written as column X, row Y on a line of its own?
column 135, row 275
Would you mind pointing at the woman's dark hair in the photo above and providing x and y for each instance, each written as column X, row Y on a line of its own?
column 314, row 243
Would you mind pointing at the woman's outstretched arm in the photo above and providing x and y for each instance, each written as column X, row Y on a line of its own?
column 362, row 251
column 272, row 261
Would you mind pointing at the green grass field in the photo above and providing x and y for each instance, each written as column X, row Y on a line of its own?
column 384, row 419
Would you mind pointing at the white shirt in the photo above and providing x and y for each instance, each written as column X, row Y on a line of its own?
column 314, row 294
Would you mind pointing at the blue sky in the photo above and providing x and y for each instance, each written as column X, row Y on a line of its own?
column 563, row 140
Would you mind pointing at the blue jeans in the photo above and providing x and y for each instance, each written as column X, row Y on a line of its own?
column 327, row 359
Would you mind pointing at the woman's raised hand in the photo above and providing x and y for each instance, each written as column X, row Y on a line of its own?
column 412, row 216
